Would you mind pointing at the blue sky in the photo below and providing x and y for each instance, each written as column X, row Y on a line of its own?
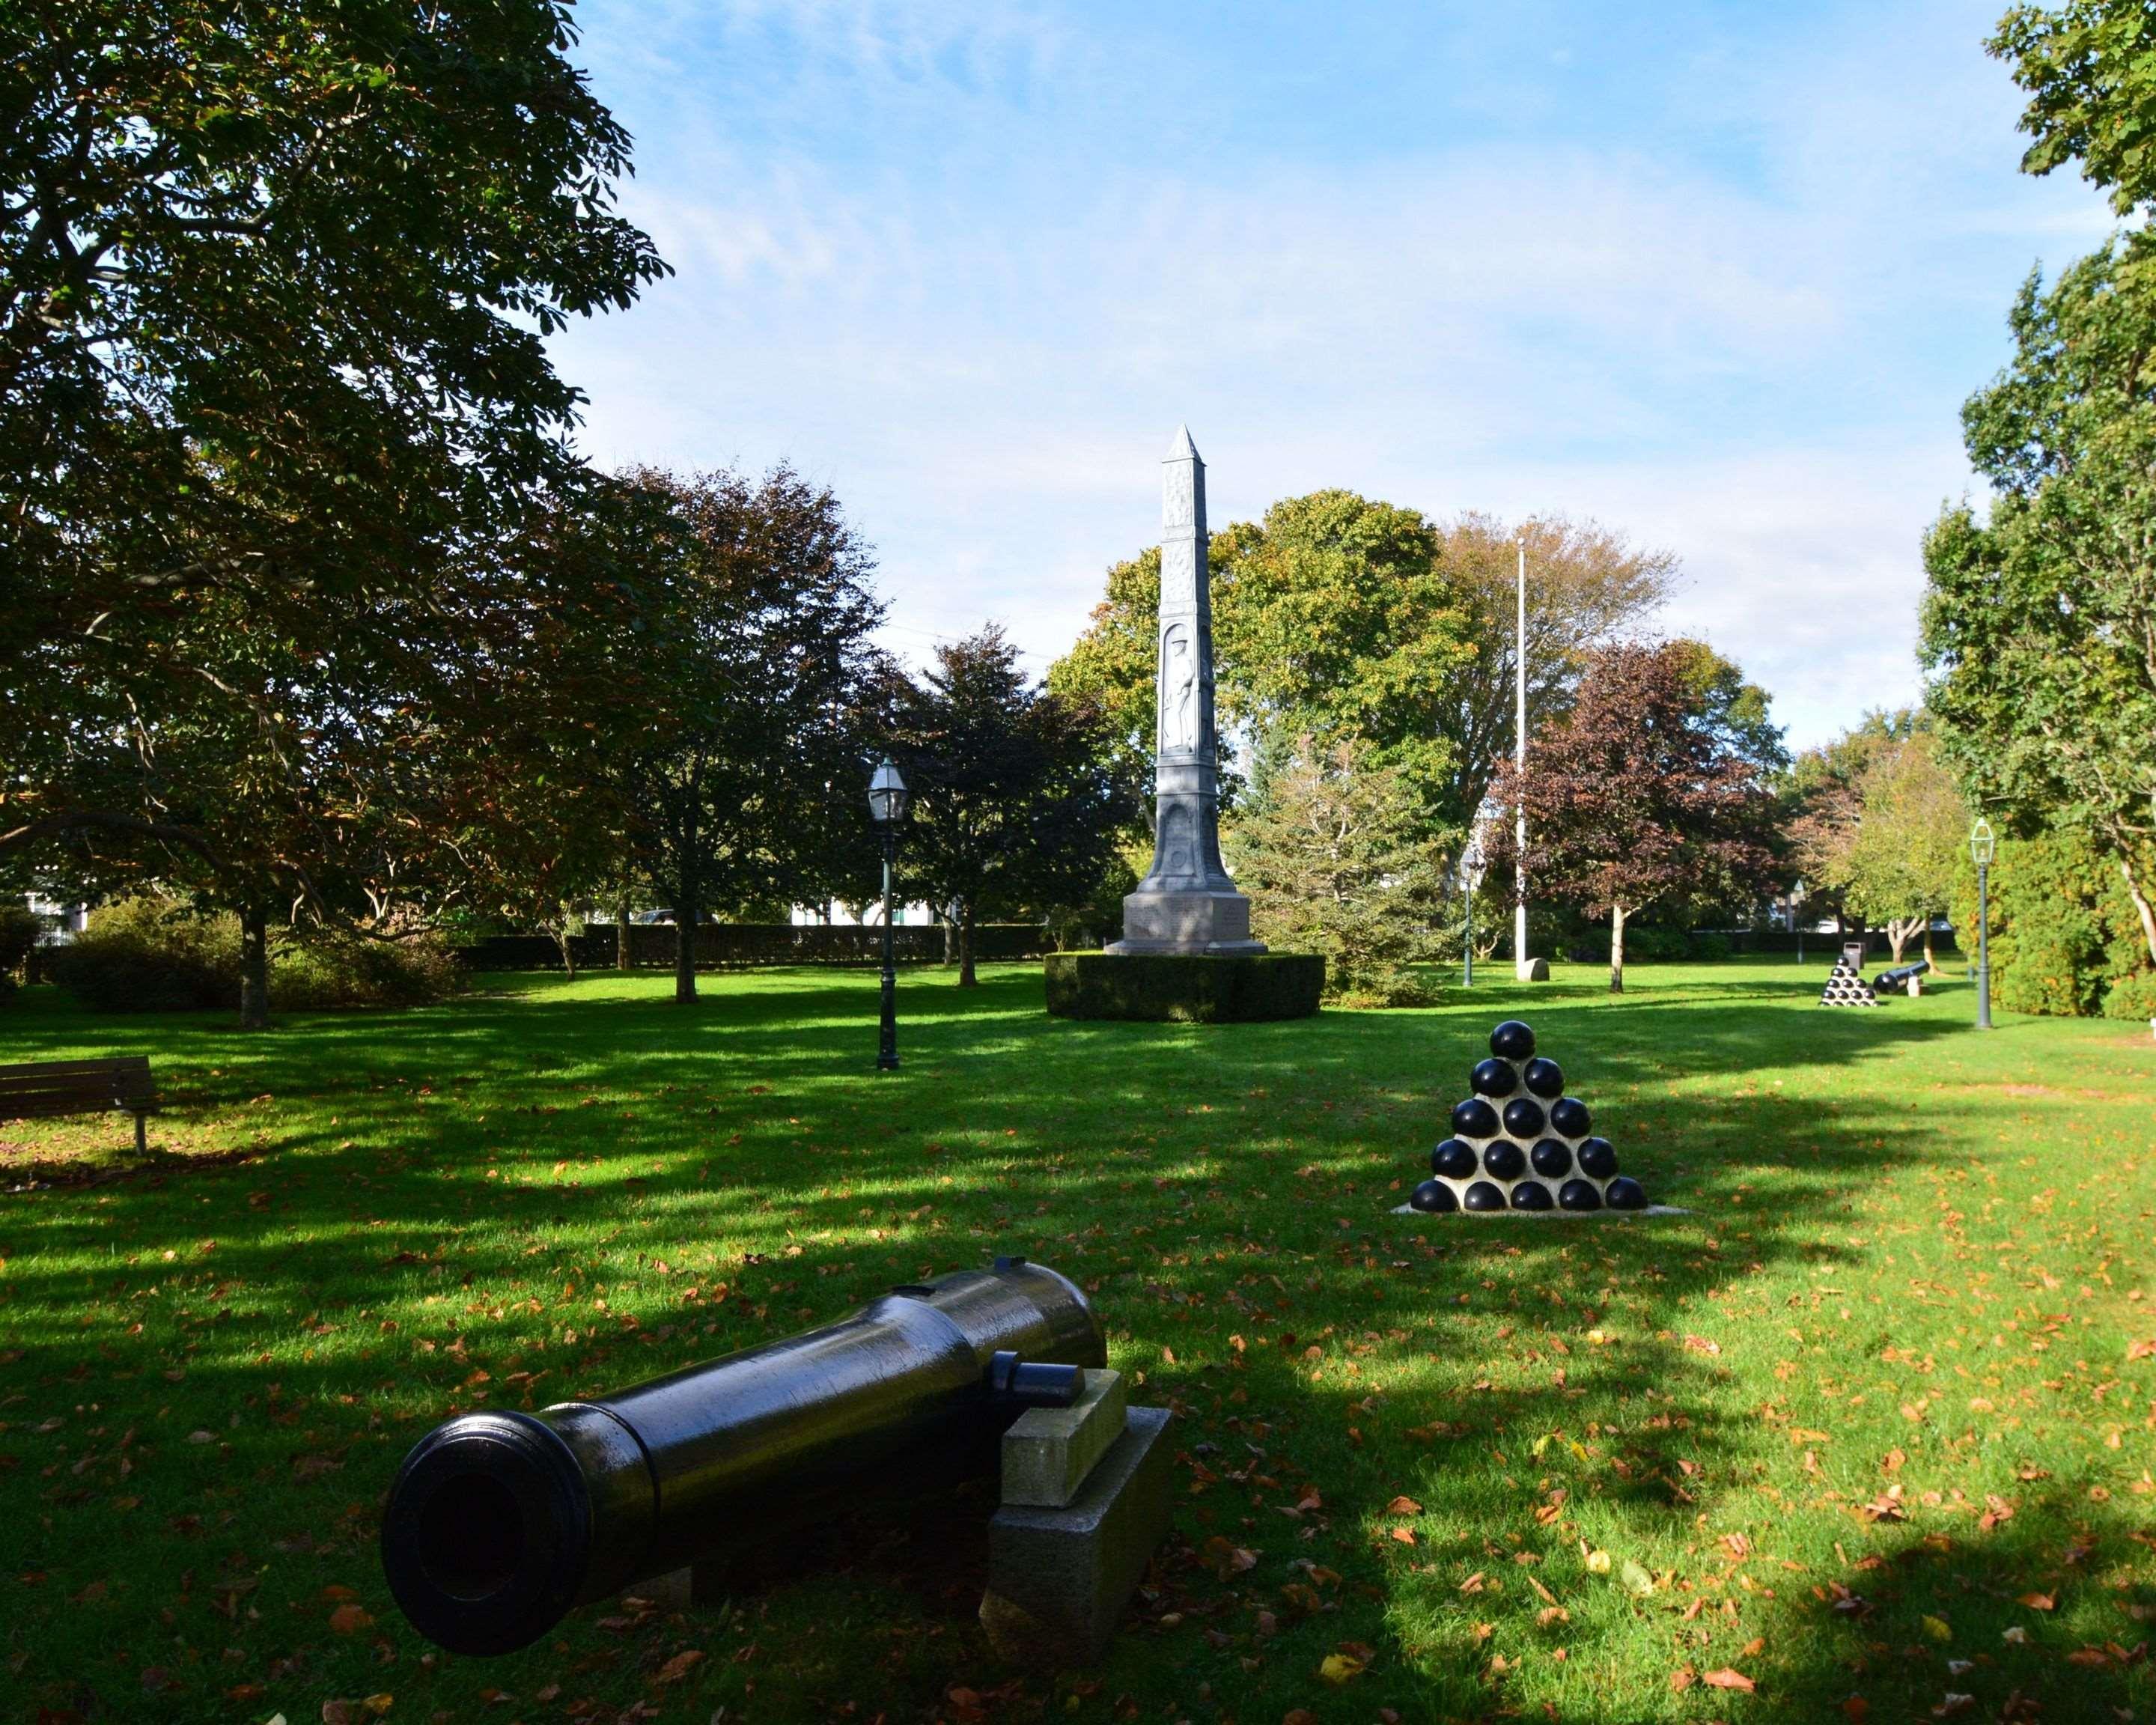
column 1717, row 275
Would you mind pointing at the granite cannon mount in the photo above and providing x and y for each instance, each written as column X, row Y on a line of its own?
column 501, row 1522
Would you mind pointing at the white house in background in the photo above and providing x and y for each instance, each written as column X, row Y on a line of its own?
column 867, row 916
column 67, row 920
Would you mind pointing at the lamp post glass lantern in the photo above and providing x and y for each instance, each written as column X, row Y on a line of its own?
column 1981, row 846
column 888, row 801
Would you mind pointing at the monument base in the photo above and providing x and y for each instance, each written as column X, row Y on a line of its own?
column 1197, row 922
column 1184, row 987
column 1531, row 970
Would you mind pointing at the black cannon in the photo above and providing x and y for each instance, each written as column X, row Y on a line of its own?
column 501, row 1522
column 1901, row 979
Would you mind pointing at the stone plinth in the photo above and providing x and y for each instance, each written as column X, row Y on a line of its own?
column 1050, row 1452
column 1212, row 923
column 1059, row 1578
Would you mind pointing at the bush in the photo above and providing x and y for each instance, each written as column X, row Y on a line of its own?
column 148, row 954
column 1184, row 987
column 151, row 955
column 1642, row 945
column 1707, row 947
column 2065, row 938
column 19, row 932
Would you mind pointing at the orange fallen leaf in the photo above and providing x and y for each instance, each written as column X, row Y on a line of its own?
column 1856, row 1709
column 678, row 1667
column 1683, row 1678
column 349, row 1620
column 1403, row 1506
column 2040, row 1602
column 1726, row 1678
column 1404, row 1535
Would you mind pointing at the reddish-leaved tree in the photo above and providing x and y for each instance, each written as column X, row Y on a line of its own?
column 1641, row 793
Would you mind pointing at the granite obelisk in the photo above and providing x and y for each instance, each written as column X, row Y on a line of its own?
column 1186, row 903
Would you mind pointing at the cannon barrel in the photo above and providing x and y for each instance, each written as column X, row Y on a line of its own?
column 1895, row 978
column 501, row 1522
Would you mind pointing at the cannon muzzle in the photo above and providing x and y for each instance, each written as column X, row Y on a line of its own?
column 501, row 1522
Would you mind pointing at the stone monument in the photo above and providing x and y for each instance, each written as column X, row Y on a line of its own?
column 1186, row 903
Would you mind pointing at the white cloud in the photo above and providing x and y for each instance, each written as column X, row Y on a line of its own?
column 934, row 261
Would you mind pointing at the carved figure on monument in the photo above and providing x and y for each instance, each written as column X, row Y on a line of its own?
column 1186, row 903
column 1178, row 691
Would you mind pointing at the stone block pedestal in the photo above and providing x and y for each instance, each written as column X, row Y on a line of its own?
column 1213, row 923
column 1059, row 1578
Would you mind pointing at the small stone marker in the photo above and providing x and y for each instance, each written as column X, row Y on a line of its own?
column 1049, row 1451
column 1060, row 1576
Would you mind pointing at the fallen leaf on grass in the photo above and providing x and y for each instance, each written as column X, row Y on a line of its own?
column 2040, row 1602
column 1728, row 1678
column 678, row 1667
column 1938, row 1628
column 1701, row 1344
column 1338, row 1668
column 1404, row 1535
column 2143, row 1349
column 1598, row 1563
column 349, row 1620
column 1403, row 1506
column 1856, row 1709
column 1683, row 1678
column 1636, row 1579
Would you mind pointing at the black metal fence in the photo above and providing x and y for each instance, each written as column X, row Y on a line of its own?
column 743, row 945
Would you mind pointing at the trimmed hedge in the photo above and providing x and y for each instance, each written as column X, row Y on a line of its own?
column 738, row 946
column 1179, row 988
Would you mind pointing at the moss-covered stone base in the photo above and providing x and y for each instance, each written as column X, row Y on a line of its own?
column 1181, row 987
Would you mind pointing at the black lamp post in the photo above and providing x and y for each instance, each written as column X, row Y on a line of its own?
column 888, row 797
column 1981, row 845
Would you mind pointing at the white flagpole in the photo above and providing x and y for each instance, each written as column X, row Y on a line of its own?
column 1521, row 964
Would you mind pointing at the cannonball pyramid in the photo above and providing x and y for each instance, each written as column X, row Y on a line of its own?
column 1521, row 1143
column 1845, row 987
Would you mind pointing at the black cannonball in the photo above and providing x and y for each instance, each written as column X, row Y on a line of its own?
column 1434, row 1196
column 1551, row 1160
column 1503, row 1161
column 1495, row 1078
column 1524, row 1117
column 1578, row 1195
column 1598, row 1158
column 1626, row 1194
column 1512, row 1040
column 1531, row 1195
column 1483, row 1196
column 1569, row 1116
column 1453, row 1159
column 1545, row 1079
column 1475, row 1118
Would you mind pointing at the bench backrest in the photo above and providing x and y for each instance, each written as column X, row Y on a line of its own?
column 48, row 1087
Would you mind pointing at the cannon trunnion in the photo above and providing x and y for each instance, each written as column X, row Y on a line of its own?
column 501, row 1522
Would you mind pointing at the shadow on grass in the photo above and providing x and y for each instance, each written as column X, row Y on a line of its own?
column 1223, row 1193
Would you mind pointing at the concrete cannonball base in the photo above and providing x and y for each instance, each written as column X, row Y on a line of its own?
column 1184, row 987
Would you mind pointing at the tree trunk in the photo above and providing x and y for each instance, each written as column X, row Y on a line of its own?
column 950, row 935
column 621, row 949
column 1897, row 936
column 967, row 978
column 1928, row 944
column 1616, row 949
column 686, row 910
column 254, row 968
column 2141, row 907
column 562, row 938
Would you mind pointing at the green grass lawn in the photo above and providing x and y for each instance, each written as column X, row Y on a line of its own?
column 1867, row 1422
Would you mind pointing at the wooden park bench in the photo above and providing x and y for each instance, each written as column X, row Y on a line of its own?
column 43, row 1089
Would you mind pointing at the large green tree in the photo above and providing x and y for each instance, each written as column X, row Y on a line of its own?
column 275, row 411
column 1892, row 847
column 749, row 777
column 2039, row 623
column 1020, row 798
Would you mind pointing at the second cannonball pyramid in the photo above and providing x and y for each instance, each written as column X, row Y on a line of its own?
column 1845, row 987
column 1519, row 1142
